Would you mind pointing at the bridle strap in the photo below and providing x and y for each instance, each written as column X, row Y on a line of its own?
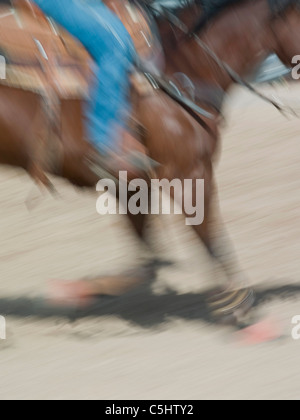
column 235, row 77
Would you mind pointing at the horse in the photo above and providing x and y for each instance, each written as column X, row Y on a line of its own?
column 240, row 33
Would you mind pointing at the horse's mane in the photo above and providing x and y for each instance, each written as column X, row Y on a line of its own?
column 214, row 6
column 211, row 8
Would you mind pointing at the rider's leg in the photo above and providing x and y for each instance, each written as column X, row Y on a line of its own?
column 108, row 42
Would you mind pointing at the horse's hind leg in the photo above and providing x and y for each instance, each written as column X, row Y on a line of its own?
column 41, row 179
column 82, row 292
column 42, row 182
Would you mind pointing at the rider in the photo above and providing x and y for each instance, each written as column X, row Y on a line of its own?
column 106, row 39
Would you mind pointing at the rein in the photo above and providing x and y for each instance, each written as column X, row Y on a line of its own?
column 235, row 77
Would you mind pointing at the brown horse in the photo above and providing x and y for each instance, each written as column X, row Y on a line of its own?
column 242, row 34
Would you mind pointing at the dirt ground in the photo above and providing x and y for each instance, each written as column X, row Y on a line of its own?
column 154, row 342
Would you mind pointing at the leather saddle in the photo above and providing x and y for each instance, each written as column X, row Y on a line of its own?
column 40, row 55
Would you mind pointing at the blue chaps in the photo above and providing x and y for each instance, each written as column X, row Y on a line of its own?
column 106, row 39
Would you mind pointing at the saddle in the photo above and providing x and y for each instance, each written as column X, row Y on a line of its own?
column 40, row 56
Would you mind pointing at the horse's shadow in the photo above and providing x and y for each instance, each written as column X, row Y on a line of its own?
column 141, row 307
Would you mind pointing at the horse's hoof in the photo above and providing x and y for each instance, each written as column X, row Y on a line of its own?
column 264, row 331
column 69, row 294
column 230, row 307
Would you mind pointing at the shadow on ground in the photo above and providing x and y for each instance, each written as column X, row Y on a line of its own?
column 141, row 307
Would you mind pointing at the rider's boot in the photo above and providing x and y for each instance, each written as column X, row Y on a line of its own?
column 129, row 156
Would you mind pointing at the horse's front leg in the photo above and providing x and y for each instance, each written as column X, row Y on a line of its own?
column 233, row 298
column 219, row 244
